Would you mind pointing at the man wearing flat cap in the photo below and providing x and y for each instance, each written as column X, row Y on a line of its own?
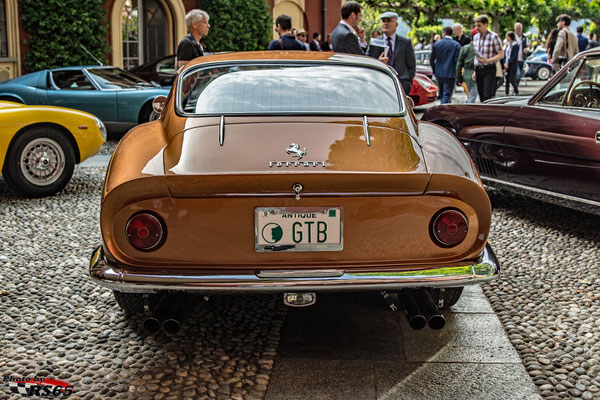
column 399, row 52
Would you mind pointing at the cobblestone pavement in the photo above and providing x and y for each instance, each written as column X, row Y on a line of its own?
column 548, row 291
column 54, row 322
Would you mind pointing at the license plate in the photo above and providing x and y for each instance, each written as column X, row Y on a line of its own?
column 298, row 228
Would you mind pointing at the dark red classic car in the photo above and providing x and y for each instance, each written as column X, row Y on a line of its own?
column 546, row 146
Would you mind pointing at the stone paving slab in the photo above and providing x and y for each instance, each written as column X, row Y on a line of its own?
column 331, row 330
column 99, row 160
column 466, row 337
column 452, row 381
column 350, row 346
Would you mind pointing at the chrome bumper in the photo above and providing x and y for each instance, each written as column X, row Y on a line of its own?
column 118, row 277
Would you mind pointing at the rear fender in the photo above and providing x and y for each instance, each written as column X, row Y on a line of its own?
column 453, row 174
column 8, row 96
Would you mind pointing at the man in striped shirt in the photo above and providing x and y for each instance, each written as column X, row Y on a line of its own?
column 488, row 50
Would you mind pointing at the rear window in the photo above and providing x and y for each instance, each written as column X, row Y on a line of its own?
column 288, row 89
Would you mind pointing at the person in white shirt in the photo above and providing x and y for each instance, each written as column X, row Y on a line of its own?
column 523, row 50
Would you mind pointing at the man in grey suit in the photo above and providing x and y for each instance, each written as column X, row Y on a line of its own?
column 344, row 39
column 399, row 52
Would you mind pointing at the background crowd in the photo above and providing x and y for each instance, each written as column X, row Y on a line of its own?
column 480, row 62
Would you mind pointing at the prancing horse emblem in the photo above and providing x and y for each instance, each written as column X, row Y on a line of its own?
column 295, row 151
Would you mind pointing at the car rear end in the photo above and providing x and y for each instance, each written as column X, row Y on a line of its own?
column 248, row 190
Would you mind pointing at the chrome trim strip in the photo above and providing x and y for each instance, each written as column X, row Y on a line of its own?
column 541, row 191
column 566, row 164
column 310, row 273
column 366, row 130
column 222, row 130
column 118, row 277
column 529, row 149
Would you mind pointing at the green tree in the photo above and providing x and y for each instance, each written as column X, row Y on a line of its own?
column 371, row 21
column 238, row 25
column 417, row 12
column 427, row 32
column 58, row 28
column 503, row 14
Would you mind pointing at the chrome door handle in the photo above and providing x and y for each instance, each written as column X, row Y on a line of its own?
column 598, row 137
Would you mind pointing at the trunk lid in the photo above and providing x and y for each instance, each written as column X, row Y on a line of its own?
column 264, row 158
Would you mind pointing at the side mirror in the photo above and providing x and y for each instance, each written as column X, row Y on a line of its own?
column 158, row 104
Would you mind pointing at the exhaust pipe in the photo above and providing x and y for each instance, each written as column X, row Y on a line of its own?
column 435, row 320
column 413, row 312
column 172, row 325
column 152, row 323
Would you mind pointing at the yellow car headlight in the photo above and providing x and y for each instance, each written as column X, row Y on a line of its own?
column 101, row 127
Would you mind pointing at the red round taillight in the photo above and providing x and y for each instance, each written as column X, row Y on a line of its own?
column 449, row 228
column 145, row 232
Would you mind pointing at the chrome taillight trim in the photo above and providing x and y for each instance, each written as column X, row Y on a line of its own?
column 160, row 240
column 434, row 224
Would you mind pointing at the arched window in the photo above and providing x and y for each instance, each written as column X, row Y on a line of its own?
column 10, row 64
column 3, row 31
column 144, row 32
column 155, row 45
column 131, row 37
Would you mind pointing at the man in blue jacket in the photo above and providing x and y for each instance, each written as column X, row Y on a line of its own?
column 444, row 56
column 582, row 41
column 286, row 40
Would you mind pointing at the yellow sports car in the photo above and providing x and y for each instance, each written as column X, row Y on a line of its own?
column 40, row 145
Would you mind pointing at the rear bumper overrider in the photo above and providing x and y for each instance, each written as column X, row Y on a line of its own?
column 122, row 278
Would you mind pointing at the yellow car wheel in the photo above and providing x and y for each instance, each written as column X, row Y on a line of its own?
column 40, row 162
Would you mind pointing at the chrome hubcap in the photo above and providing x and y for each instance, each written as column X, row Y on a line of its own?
column 42, row 161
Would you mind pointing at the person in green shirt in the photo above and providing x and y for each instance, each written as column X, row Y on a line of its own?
column 465, row 69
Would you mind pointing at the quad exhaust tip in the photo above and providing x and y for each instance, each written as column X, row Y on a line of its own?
column 420, row 309
column 167, row 315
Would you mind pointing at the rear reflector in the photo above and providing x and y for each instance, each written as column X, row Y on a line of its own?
column 145, row 232
column 449, row 228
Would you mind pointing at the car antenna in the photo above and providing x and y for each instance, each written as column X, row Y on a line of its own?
column 91, row 55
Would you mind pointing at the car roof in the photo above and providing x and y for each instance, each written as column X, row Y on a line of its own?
column 591, row 52
column 291, row 56
column 77, row 67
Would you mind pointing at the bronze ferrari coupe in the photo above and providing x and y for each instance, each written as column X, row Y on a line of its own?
column 297, row 173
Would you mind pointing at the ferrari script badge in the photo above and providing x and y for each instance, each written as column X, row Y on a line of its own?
column 295, row 151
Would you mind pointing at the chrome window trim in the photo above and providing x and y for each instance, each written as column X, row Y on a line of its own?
column 95, row 83
column 562, row 107
column 215, row 64
column 55, row 86
column 544, row 91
